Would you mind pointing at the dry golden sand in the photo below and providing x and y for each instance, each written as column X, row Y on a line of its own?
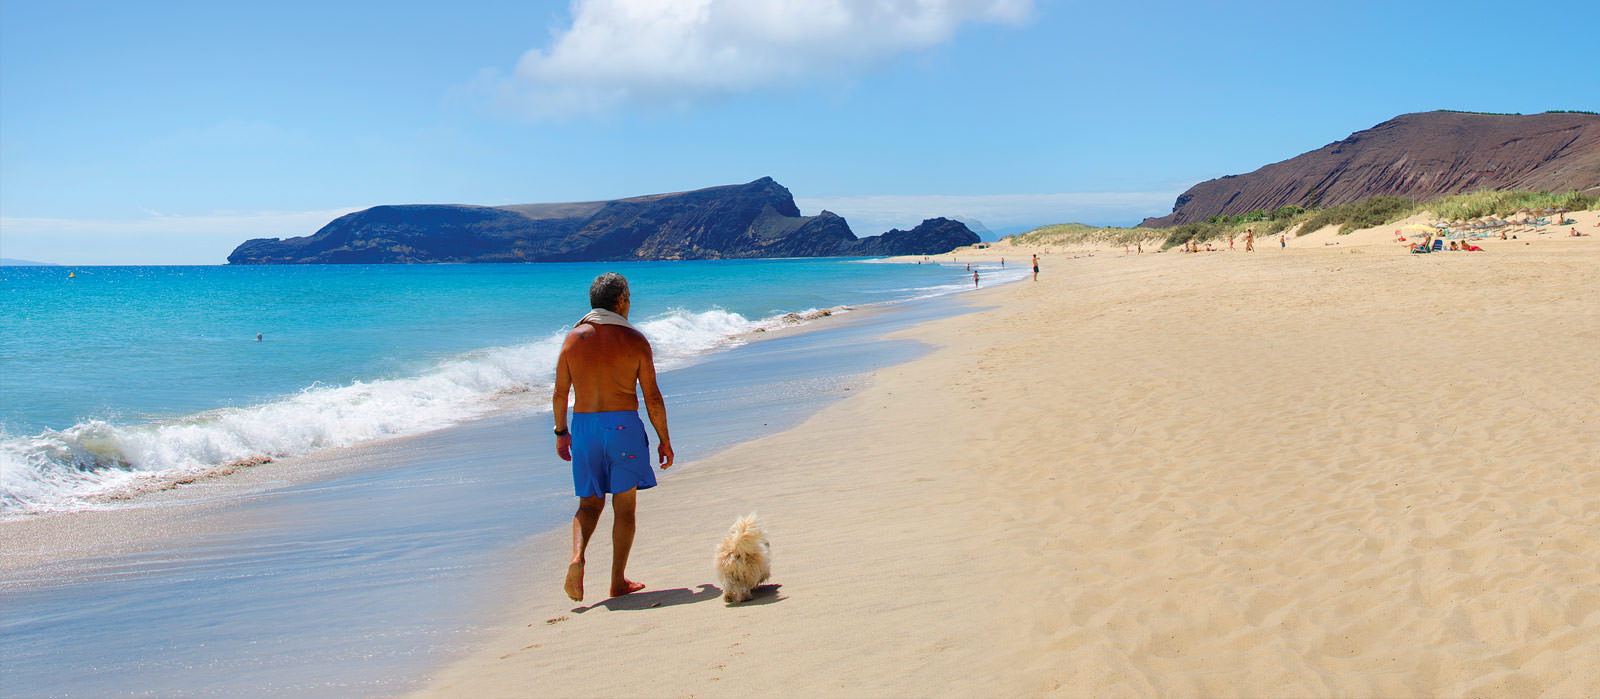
column 1305, row 472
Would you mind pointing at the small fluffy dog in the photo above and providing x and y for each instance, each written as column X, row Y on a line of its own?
column 744, row 559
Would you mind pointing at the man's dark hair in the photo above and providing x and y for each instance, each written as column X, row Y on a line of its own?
column 607, row 291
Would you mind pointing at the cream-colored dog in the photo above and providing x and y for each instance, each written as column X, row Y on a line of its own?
column 744, row 559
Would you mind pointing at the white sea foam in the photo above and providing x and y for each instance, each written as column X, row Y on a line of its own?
column 678, row 337
column 78, row 467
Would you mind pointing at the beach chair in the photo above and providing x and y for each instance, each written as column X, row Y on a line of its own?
column 1438, row 244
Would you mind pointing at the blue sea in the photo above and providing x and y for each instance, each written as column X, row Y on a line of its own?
column 427, row 387
column 116, row 377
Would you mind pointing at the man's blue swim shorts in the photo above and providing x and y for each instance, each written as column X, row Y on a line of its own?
column 610, row 453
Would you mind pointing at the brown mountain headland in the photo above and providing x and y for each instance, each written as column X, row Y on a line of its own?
column 1423, row 155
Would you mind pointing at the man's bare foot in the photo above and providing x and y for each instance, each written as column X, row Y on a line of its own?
column 628, row 587
column 574, row 586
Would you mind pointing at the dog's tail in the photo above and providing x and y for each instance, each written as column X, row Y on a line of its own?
column 747, row 525
column 746, row 538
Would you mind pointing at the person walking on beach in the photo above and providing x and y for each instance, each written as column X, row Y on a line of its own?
column 974, row 278
column 1249, row 240
column 601, row 362
column 1036, row 267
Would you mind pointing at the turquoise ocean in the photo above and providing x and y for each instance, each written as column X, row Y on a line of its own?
column 435, row 382
column 117, row 377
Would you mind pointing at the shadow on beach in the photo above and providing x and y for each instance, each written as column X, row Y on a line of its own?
column 765, row 594
column 650, row 599
column 762, row 594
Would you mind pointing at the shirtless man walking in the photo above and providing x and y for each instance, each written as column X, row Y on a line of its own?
column 601, row 361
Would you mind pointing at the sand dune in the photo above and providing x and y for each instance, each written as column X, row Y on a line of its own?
column 1308, row 472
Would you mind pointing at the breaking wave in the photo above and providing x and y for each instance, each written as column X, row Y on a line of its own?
column 93, row 464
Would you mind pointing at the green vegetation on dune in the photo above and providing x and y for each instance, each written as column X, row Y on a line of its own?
column 1286, row 213
column 1080, row 234
column 1367, row 213
column 1462, row 207
column 1373, row 211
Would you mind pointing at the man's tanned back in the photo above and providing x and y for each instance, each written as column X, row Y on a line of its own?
column 604, row 362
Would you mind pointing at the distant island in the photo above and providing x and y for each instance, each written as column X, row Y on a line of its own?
column 13, row 262
column 754, row 220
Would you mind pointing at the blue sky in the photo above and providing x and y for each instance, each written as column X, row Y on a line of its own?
column 168, row 132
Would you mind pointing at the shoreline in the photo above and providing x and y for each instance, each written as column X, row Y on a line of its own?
column 162, row 489
column 1311, row 471
column 344, row 374
column 347, row 499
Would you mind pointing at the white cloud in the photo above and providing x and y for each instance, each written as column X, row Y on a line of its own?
column 621, row 53
column 155, row 239
column 874, row 214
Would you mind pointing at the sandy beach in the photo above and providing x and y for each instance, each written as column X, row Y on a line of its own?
column 1326, row 470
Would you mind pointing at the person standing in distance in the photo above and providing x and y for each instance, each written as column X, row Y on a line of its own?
column 602, row 360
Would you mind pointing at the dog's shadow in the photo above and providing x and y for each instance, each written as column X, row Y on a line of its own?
column 652, row 599
column 762, row 594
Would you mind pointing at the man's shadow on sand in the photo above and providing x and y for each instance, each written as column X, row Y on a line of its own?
column 651, row 599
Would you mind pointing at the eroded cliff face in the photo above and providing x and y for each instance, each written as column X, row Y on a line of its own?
column 1422, row 155
column 756, row 219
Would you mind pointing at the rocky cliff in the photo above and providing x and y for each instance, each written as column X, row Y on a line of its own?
column 758, row 219
column 932, row 236
column 1422, row 155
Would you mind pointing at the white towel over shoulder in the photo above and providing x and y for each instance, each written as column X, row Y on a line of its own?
column 601, row 316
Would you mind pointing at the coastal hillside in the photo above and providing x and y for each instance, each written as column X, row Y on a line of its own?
column 1414, row 155
column 756, row 219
